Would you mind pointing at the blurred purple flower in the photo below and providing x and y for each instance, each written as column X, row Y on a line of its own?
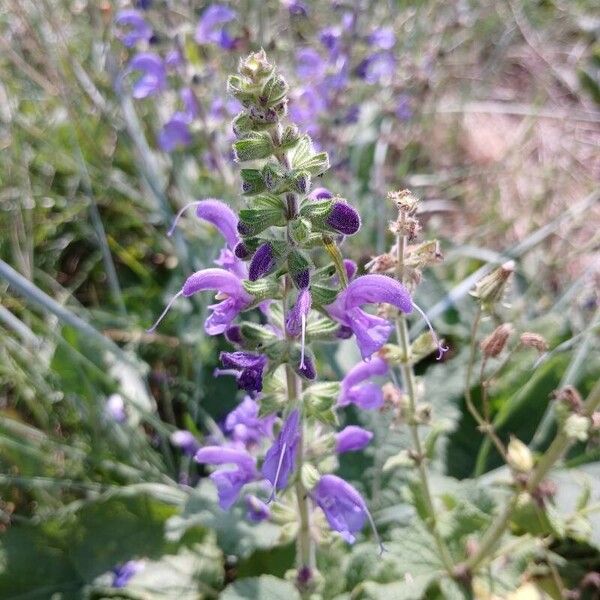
column 281, row 457
column 228, row 482
column 306, row 107
column 320, row 193
column 352, row 438
column 175, row 133
column 190, row 102
column 224, row 108
column 132, row 27
column 124, row 572
column 173, row 59
column 354, row 390
column 212, row 29
column 257, row 510
column 371, row 332
column 295, row 323
column 377, row 67
column 404, row 108
column 331, row 38
column 115, row 408
column 344, row 508
column 185, row 441
column 246, row 367
column 383, row 38
column 244, row 425
column 143, row 4
column 310, row 64
column 153, row 77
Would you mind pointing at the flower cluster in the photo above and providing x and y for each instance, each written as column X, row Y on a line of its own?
column 282, row 262
column 170, row 70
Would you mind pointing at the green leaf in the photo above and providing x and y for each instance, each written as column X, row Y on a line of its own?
column 266, row 586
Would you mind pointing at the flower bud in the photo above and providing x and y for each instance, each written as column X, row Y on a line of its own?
column 256, row 66
column 343, row 218
column 570, row 398
column 490, row 289
column 301, row 182
column 310, row 476
column 299, row 269
column 262, row 263
column 274, row 91
column 519, row 456
column 252, row 182
column 274, row 177
column 242, row 251
column 577, row 427
column 494, row 343
column 534, row 340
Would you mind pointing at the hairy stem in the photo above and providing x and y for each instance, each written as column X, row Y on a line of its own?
column 305, row 548
column 408, row 380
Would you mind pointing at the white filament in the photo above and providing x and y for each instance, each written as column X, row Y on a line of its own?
column 178, row 216
column 277, row 472
column 164, row 312
column 440, row 347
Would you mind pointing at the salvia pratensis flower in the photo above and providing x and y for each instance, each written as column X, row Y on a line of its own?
column 244, row 425
column 152, row 74
column 281, row 456
column 371, row 332
column 296, row 320
column 229, row 483
column 132, row 27
column 356, row 389
column 233, row 296
column 212, row 28
column 352, row 438
column 257, row 510
column 175, row 133
column 344, row 508
column 383, row 37
column 185, row 441
column 124, row 572
column 247, row 368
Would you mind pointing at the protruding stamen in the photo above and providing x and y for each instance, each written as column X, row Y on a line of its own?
column 382, row 548
column 164, row 312
column 303, row 344
column 281, row 455
column 178, row 216
column 441, row 348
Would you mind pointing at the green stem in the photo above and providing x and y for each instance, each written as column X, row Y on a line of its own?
column 408, row 379
column 557, row 449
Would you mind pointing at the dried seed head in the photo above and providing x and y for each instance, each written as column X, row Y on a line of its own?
column 408, row 226
column 490, row 289
column 392, row 395
column 494, row 343
column 534, row 340
column 570, row 397
column 381, row 264
column 405, row 200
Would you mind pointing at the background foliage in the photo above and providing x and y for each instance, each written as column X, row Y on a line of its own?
column 501, row 143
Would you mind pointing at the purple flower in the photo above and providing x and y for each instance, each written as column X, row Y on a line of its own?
column 211, row 27
column 262, row 262
column 306, row 107
column 233, row 296
column 281, row 457
column 354, row 390
column 124, row 572
column 371, row 332
column 186, row 441
column 132, row 27
column 246, row 367
column 307, row 368
column 320, row 193
column 344, row 508
column 244, row 425
column 173, row 59
column 376, row 67
column 115, row 408
column 403, row 108
column 175, row 133
column 310, row 64
column 351, row 268
column 344, row 218
column 295, row 323
column 153, row 78
column 331, row 38
column 190, row 102
column 383, row 38
column 352, row 438
column 257, row 510
column 229, row 483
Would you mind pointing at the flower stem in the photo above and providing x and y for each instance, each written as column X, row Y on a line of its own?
column 408, row 379
column 557, row 449
column 305, row 548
